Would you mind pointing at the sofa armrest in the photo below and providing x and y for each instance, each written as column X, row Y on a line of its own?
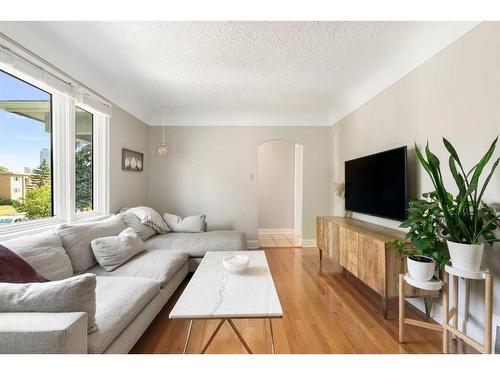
column 28, row 332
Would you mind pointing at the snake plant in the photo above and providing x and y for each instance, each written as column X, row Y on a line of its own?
column 440, row 216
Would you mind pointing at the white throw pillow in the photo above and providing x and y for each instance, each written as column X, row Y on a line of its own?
column 112, row 252
column 190, row 224
column 132, row 221
column 75, row 294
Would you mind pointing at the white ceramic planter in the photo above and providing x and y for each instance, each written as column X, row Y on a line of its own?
column 465, row 256
column 421, row 271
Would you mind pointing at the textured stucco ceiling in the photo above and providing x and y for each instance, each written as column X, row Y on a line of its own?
column 237, row 73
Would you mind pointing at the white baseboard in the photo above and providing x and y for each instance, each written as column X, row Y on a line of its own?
column 253, row 244
column 276, row 231
column 309, row 243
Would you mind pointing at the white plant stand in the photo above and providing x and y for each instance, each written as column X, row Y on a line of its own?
column 448, row 314
column 432, row 285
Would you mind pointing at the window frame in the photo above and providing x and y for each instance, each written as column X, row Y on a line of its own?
column 41, row 87
column 94, row 116
column 63, row 162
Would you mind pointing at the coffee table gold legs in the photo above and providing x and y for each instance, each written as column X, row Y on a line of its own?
column 188, row 336
column 272, row 335
column 239, row 336
column 213, row 336
column 233, row 326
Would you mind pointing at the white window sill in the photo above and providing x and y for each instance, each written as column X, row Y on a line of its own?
column 88, row 216
column 11, row 231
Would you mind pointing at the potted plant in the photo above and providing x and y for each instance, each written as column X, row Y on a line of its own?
column 466, row 221
column 441, row 223
column 426, row 250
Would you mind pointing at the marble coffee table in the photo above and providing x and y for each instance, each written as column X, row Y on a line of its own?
column 214, row 293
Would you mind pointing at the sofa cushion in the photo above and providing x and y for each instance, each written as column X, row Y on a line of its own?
column 76, row 239
column 197, row 244
column 112, row 252
column 158, row 265
column 15, row 269
column 75, row 294
column 45, row 253
column 190, row 224
column 119, row 301
column 132, row 221
column 151, row 217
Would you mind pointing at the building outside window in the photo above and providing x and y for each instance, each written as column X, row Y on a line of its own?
column 26, row 133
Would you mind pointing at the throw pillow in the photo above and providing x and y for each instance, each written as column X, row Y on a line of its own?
column 45, row 253
column 76, row 239
column 112, row 252
column 150, row 217
column 132, row 221
column 190, row 224
column 75, row 294
column 14, row 269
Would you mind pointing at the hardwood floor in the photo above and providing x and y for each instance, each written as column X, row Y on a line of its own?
column 325, row 311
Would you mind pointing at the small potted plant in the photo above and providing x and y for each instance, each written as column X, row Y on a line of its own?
column 464, row 220
column 426, row 250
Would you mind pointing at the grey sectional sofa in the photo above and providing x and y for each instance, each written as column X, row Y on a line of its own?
column 127, row 299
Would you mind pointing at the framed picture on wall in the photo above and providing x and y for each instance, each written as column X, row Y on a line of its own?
column 132, row 160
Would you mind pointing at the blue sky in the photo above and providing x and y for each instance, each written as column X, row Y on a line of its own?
column 21, row 139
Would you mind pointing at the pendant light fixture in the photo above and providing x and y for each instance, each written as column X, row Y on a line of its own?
column 163, row 147
column 159, row 117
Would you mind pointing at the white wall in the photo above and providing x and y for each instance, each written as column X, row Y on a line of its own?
column 276, row 179
column 455, row 94
column 209, row 168
column 126, row 188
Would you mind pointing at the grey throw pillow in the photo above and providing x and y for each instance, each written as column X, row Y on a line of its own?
column 76, row 239
column 45, row 253
column 190, row 224
column 112, row 252
column 132, row 221
column 75, row 294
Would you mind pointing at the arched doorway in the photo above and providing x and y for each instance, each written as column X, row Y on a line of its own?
column 279, row 221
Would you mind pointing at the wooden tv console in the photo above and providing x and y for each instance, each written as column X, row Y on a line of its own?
column 361, row 249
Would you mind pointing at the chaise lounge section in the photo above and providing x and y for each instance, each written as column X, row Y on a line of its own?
column 197, row 244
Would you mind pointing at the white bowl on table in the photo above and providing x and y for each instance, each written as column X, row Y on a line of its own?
column 236, row 263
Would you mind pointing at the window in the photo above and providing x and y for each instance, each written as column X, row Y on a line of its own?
column 25, row 150
column 84, row 132
column 53, row 151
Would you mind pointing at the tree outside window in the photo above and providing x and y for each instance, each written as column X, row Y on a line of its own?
column 84, row 160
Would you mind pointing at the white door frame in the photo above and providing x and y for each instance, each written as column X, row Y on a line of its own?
column 298, row 193
column 298, row 190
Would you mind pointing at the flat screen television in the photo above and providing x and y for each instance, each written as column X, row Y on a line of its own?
column 376, row 184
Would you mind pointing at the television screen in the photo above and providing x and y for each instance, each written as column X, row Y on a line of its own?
column 376, row 184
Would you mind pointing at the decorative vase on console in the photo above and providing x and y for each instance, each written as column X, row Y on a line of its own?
column 340, row 192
